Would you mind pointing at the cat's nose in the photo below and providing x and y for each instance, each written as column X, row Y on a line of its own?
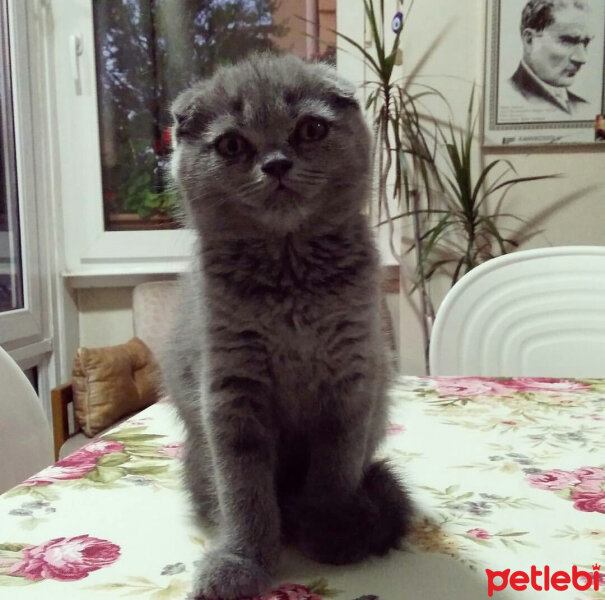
column 277, row 167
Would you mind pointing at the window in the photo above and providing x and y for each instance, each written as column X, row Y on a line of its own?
column 11, row 276
column 22, row 326
column 117, row 65
column 147, row 51
column 24, row 290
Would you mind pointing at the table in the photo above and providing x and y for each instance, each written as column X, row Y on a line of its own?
column 506, row 474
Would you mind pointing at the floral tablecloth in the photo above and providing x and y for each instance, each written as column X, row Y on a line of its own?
column 506, row 474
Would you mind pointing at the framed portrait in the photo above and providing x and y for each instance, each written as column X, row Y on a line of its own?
column 545, row 72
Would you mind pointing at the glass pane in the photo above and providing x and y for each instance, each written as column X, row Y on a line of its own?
column 147, row 51
column 11, row 276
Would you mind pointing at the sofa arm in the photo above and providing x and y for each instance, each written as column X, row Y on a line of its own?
column 60, row 398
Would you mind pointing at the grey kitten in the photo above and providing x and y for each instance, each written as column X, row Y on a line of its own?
column 278, row 367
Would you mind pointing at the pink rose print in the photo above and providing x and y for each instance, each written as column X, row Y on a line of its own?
column 556, row 479
column 174, row 450
column 290, row 591
column 76, row 465
column 59, row 472
column 395, row 428
column 479, row 534
column 590, row 485
column 66, row 559
column 545, row 384
column 469, row 386
column 585, row 473
column 101, row 447
column 589, row 501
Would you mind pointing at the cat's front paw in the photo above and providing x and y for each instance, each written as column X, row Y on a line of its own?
column 227, row 576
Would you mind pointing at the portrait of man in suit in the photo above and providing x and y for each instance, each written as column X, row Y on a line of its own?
column 555, row 35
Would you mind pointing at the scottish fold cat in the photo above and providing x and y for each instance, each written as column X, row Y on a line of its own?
column 278, row 365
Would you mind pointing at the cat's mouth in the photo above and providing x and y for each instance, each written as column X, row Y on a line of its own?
column 280, row 184
column 281, row 196
column 282, row 189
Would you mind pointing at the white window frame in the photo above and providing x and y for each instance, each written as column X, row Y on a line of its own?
column 30, row 335
column 95, row 256
column 90, row 251
column 24, row 327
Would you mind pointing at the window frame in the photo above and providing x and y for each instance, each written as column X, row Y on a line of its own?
column 93, row 255
column 7, row 148
column 90, row 251
column 25, row 326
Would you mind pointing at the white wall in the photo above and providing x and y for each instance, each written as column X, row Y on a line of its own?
column 105, row 316
column 573, row 207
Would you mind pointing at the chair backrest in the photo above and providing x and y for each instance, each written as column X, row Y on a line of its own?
column 538, row 313
column 153, row 309
column 25, row 437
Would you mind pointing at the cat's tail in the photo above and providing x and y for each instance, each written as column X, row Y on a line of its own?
column 373, row 521
column 395, row 509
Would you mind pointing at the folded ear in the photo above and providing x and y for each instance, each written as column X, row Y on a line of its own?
column 344, row 99
column 188, row 112
column 340, row 92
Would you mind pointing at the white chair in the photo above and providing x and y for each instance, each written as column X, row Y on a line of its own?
column 25, row 438
column 538, row 313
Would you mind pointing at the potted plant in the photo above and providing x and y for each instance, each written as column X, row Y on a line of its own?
column 426, row 175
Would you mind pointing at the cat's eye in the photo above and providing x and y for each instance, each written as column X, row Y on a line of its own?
column 311, row 130
column 231, row 145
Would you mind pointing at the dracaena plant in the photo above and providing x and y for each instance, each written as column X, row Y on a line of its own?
column 425, row 173
column 464, row 231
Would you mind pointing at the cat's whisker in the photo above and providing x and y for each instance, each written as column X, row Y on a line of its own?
column 250, row 191
column 309, row 177
column 250, row 185
column 303, row 181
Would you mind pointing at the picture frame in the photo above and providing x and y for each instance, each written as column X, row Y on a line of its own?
column 544, row 84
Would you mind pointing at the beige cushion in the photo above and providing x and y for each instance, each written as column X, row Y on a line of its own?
column 112, row 382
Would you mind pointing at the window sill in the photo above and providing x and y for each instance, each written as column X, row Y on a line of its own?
column 102, row 278
column 112, row 277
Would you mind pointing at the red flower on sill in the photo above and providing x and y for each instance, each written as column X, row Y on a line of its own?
column 167, row 137
column 110, row 195
column 163, row 144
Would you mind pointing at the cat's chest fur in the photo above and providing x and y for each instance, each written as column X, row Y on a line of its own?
column 304, row 302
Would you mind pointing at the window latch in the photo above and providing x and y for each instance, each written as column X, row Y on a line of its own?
column 75, row 51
